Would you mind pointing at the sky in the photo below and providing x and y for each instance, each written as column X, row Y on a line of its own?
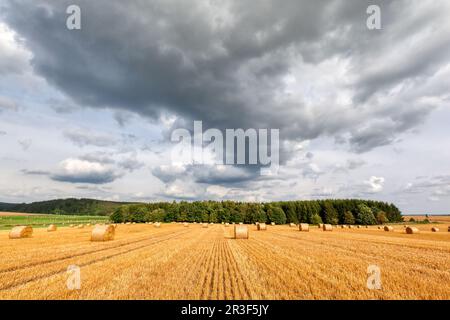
column 361, row 113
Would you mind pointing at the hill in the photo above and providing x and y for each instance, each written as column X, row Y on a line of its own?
column 69, row 206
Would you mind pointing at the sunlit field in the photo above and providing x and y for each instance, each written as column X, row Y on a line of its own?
column 178, row 262
column 11, row 219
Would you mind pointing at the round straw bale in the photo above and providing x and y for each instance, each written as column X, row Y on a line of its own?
column 186, row 224
column 435, row 229
column 103, row 233
column 291, row 224
column 128, row 223
column 411, row 230
column 21, row 232
column 227, row 224
column 240, row 232
column 204, row 225
column 272, row 223
column 358, row 226
column 388, row 228
column 51, row 228
column 448, row 229
column 241, row 223
column 350, row 227
column 71, row 226
column 320, row 225
column 303, row 227
column 80, row 226
column 88, row 225
column 157, row 224
column 327, row 227
column 343, row 226
column 379, row 227
column 261, row 226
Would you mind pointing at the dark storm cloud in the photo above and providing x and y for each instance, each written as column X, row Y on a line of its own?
column 208, row 174
column 225, row 62
column 92, row 178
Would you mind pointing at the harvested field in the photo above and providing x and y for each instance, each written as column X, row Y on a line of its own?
column 432, row 218
column 174, row 262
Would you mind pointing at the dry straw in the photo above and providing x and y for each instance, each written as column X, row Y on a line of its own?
column 186, row 224
column 388, row 228
column 103, row 233
column 261, row 226
column 303, row 227
column 292, row 225
column 80, row 226
column 343, row 226
column 51, row 228
column 435, row 229
column 72, row 226
column 204, row 225
column 327, row 227
column 21, row 232
column 320, row 225
column 157, row 224
column 273, row 223
column 411, row 230
column 240, row 232
column 227, row 224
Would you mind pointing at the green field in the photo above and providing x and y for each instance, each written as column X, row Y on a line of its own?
column 41, row 221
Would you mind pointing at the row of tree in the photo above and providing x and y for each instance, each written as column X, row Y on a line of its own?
column 70, row 206
column 346, row 211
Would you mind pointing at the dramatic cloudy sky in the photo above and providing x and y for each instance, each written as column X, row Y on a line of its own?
column 362, row 113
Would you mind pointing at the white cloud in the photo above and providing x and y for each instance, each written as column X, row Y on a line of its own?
column 374, row 184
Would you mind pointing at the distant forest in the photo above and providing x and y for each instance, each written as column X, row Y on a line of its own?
column 348, row 211
column 70, row 206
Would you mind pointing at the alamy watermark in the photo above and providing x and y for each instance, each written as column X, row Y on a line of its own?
column 73, row 21
column 249, row 147
column 374, row 277
column 373, row 21
column 73, row 281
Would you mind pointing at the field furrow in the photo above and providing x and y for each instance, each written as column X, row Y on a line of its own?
column 174, row 262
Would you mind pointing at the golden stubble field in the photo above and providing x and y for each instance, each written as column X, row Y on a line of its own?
column 176, row 262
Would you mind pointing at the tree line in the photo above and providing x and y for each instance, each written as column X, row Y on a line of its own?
column 336, row 211
column 70, row 206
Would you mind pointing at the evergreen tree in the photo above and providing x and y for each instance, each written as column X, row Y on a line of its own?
column 349, row 218
column 276, row 214
column 330, row 214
